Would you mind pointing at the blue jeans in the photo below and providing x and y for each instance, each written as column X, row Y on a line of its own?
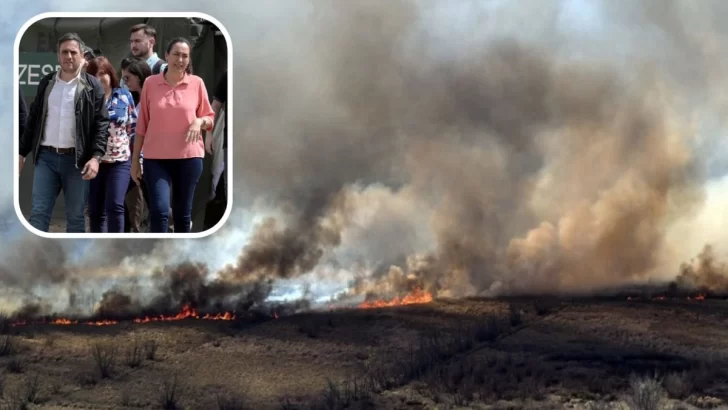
column 106, row 197
column 55, row 172
column 162, row 174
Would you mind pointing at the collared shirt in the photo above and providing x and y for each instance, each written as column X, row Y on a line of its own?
column 153, row 60
column 60, row 125
column 166, row 113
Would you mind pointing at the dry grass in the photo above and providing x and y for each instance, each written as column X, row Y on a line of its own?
column 104, row 355
column 678, row 385
column 231, row 402
column 646, row 393
column 494, row 354
column 7, row 345
column 169, row 398
column 150, row 349
column 134, row 354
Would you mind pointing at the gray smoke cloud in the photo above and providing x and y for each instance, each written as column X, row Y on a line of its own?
column 540, row 171
column 464, row 147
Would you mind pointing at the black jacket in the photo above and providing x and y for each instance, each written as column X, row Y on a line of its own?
column 22, row 112
column 92, row 119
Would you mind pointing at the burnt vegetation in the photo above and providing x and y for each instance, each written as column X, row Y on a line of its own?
column 457, row 353
column 519, row 352
column 468, row 364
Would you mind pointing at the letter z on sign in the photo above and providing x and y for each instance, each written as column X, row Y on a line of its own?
column 30, row 74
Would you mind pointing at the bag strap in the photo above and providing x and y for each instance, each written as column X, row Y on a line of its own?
column 157, row 66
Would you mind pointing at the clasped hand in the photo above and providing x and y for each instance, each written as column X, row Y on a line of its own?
column 194, row 133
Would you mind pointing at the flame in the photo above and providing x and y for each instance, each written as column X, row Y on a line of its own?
column 102, row 323
column 187, row 312
column 417, row 296
column 699, row 296
column 63, row 322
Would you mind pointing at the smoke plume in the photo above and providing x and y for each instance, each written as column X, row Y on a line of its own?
column 536, row 172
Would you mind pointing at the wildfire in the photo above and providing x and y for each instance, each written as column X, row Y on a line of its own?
column 417, row 296
column 699, row 296
column 187, row 312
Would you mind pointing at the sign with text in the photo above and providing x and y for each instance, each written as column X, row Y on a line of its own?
column 32, row 68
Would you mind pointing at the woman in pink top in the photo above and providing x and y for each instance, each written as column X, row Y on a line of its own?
column 174, row 109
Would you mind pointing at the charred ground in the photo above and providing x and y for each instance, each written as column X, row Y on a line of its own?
column 511, row 353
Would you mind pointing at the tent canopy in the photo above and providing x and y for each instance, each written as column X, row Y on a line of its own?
column 111, row 36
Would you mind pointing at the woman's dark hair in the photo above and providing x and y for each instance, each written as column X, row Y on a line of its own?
column 189, row 44
column 102, row 64
column 138, row 68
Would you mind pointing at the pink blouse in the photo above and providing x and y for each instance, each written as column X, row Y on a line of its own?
column 166, row 113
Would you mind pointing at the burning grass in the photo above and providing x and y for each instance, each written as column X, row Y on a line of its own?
column 416, row 296
column 189, row 312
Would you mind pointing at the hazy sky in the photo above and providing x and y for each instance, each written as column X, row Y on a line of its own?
column 577, row 19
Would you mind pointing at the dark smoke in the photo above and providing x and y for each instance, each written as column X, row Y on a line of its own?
column 704, row 274
column 35, row 261
column 185, row 284
column 510, row 154
column 538, row 171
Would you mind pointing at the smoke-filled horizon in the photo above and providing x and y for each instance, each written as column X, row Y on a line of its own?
column 467, row 148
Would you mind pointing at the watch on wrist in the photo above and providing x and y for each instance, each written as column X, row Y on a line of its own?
column 97, row 157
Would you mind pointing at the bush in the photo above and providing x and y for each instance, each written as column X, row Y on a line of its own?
column 105, row 359
column 678, row 385
column 646, row 393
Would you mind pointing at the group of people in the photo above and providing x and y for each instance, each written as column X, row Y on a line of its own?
column 114, row 141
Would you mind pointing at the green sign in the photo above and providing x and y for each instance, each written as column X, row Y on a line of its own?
column 32, row 68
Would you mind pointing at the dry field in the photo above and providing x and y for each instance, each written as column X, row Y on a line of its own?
column 480, row 354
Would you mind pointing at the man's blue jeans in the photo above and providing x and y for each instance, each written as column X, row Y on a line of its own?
column 55, row 172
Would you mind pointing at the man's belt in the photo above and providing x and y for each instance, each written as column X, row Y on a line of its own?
column 62, row 151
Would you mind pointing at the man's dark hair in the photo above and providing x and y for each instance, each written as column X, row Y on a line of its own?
column 88, row 53
column 71, row 37
column 148, row 30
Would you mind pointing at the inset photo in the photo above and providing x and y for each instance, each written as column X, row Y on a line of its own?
column 121, row 128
